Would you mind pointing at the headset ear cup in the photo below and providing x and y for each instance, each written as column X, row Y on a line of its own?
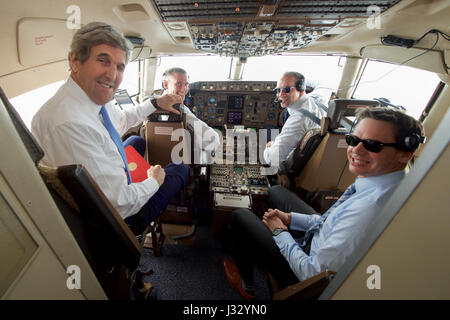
column 411, row 142
column 300, row 85
column 163, row 78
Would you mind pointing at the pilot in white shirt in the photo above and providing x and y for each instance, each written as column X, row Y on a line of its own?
column 291, row 94
column 176, row 81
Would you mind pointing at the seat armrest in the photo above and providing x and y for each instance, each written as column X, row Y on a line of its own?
column 308, row 289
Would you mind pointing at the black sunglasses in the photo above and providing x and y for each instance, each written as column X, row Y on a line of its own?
column 285, row 89
column 370, row 145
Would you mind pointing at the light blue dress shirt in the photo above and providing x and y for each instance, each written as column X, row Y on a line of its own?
column 342, row 231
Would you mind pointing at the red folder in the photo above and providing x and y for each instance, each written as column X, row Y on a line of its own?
column 136, row 164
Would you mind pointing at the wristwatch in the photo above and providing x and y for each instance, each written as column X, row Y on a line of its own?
column 277, row 231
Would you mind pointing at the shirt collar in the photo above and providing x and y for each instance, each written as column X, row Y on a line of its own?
column 388, row 178
column 81, row 96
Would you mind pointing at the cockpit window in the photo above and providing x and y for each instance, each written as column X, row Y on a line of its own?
column 318, row 69
column 28, row 103
column 408, row 87
column 130, row 79
column 199, row 68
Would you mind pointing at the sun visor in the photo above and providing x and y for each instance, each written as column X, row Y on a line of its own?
column 42, row 40
column 141, row 52
column 418, row 58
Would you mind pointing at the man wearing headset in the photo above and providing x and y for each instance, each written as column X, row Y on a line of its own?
column 176, row 81
column 291, row 94
column 378, row 151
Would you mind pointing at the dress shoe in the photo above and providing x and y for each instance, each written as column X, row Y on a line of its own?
column 234, row 278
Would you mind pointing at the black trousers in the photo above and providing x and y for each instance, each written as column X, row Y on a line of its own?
column 252, row 241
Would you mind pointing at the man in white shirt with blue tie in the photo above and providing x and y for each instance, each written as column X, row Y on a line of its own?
column 80, row 125
column 378, row 150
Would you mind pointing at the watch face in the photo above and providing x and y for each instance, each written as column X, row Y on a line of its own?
column 277, row 231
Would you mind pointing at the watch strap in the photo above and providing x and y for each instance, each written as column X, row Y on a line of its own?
column 277, row 231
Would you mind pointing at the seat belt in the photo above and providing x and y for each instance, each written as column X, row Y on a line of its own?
column 312, row 116
column 321, row 105
column 308, row 114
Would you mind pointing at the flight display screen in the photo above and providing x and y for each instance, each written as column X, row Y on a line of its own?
column 122, row 97
column 234, row 117
column 236, row 102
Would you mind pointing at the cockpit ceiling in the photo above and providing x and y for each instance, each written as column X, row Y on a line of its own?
column 256, row 28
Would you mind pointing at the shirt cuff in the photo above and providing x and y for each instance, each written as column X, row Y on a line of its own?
column 153, row 185
column 266, row 155
column 148, row 107
column 299, row 221
column 283, row 239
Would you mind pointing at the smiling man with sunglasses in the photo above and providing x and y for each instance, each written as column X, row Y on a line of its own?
column 291, row 94
column 378, row 150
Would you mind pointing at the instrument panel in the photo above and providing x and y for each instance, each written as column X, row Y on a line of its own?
column 247, row 103
column 240, row 179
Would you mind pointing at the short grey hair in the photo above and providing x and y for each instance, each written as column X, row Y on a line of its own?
column 173, row 70
column 97, row 33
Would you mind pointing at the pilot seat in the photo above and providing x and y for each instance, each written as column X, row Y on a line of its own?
column 169, row 140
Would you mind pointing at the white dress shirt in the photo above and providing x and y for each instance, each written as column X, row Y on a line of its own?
column 296, row 125
column 208, row 139
column 70, row 130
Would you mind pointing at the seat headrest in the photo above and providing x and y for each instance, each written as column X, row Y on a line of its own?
column 166, row 116
column 32, row 146
column 338, row 109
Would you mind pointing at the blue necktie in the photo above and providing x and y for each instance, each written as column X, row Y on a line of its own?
column 116, row 138
column 316, row 226
column 286, row 116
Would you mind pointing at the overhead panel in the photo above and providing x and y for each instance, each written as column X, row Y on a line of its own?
column 256, row 28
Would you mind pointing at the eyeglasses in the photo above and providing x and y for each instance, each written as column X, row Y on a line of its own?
column 370, row 145
column 285, row 90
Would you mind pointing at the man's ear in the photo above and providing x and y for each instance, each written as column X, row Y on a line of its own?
column 405, row 156
column 164, row 83
column 74, row 62
column 301, row 93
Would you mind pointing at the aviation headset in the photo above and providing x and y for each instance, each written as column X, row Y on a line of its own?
column 163, row 79
column 411, row 141
column 300, row 84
